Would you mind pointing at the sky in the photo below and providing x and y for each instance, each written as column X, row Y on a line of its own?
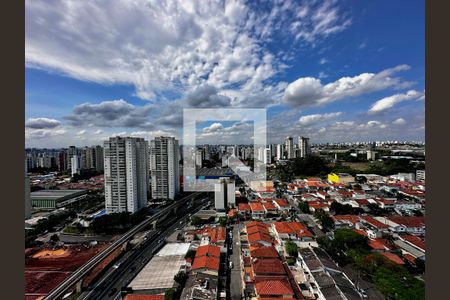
column 334, row 71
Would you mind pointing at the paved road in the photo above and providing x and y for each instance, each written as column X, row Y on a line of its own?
column 109, row 285
column 235, row 276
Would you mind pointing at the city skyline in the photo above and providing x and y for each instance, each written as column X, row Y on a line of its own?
column 332, row 71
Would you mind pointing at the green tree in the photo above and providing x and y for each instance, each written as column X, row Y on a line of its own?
column 291, row 248
column 324, row 219
column 304, row 207
column 195, row 220
column 181, row 278
column 223, row 221
column 54, row 238
column 190, row 254
column 169, row 294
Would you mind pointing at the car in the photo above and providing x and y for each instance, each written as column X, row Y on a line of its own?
column 231, row 265
column 116, row 266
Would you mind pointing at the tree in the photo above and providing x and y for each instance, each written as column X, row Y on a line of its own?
column 190, row 254
column 291, row 248
column 195, row 220
column 169, row 294
column 304, row 207
column 325, row 220
column 54, row 238
column 223, row 221
column 181, row 278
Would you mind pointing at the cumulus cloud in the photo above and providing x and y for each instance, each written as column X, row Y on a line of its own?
column 309, row 91
column 171, row 46
column 206, row 96
column 399, row 121
column 388, row 102
column 314, row 118
column 111, row 113
column 42, row 123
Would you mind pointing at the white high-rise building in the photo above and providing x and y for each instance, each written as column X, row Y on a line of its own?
column 289, row 145
column 27, row 193
column 280, row 151
column 303, row 145
column 267, row 156
column 199, row 158
column 224, row 194
column 75, row 165
column 165, row 169
column 126, row 174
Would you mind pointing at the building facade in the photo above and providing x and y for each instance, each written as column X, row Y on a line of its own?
column 126, row 174
column 165, row 169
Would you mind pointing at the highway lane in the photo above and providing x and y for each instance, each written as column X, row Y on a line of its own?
column 69, row 282
column 108, row 287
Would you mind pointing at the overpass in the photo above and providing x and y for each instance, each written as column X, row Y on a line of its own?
column 78, row 275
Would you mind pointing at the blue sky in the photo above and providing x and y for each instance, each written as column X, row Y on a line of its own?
column 330, row 70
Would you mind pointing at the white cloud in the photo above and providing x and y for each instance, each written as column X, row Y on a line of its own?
column 323, row 61
column 388, row 102
column 399, row 121
column 314, row 118
column 171, row 46
column 309, row 91
column 42, row 123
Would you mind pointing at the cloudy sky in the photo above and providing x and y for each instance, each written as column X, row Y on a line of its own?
column 331, row 70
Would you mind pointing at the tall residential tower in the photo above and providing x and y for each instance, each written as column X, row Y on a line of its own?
column 126, row 174
column 165, row 169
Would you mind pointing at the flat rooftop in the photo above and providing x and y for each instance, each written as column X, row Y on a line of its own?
column 159, row 272
column 55, row 194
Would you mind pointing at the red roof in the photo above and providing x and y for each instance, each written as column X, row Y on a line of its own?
column 255, row 237
column 409, row 258
column 296, row 228
column 244, row 207
column 350, row 218
column 272, row 286
column 408, row 221
column 386, row 201
column 268, row 266
column 256, row 206
column 264, row 252
column 256, row 223
column 232, row 213
column 256, row 229
column 269, row 206
column 206, row 262
column 393, row 257
column 374, row 222
column 282, row 202
column 208, row 250
column 218, row 234
column 377, row 245
column 362, row 201
column 414, row 240
column 143, row 297
column 359, row 231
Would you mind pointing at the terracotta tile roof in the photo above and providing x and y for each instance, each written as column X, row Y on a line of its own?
column 362, row 201
column 269, row 206
column 393, row 257
column 385, row 201
column 414, row 240
column 244, row 207
column 218, row 234
column 256, row 229
column 264, row 252
column 256, row 223
column 206, row 262
column 409, row 258
column 268, row 266
column 296, row 228
column 374, row 222
column 143, row 297
column 359, row 231
column 256, row 207
column 350, row 218
column 232, row 213
column 409, row 222
column 255, row 237
column 318, row 205
column 208, row 250
column 377, row 245
column 270, row 286
column 282, row 202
